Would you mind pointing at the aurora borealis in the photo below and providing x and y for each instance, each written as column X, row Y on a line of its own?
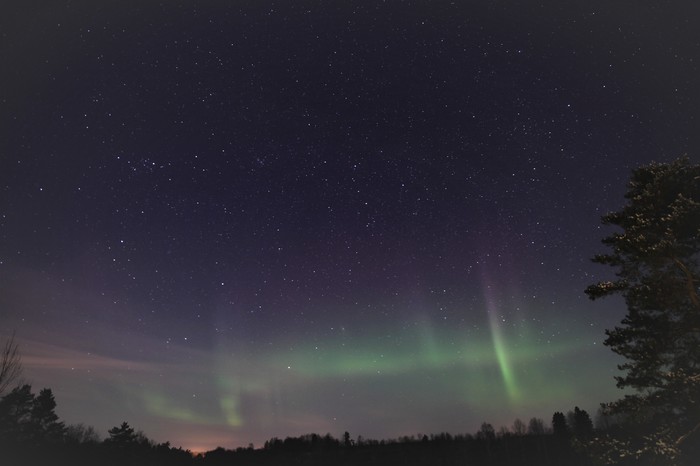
column 228, row 221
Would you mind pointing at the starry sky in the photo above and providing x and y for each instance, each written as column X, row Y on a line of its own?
column 224, row 221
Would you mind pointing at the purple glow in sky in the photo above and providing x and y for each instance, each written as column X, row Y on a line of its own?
column 229, row 221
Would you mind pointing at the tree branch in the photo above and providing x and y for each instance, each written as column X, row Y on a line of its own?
column 689, row 283
column 10, row 364
column 686, row 436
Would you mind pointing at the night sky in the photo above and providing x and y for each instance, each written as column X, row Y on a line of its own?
column 224, row 221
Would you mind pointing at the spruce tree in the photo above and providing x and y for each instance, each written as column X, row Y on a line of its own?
column 655, row 256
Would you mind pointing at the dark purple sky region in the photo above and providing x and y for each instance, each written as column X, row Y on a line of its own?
column 227, row 221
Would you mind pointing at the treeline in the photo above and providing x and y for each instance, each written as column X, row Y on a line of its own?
column 32, row 434
column 486, row 447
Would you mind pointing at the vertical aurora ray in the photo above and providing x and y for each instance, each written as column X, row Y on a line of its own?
column 500, row 347
column 501, row 350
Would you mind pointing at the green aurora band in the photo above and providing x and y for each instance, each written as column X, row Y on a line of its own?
column 477, row 366
column 504, row 364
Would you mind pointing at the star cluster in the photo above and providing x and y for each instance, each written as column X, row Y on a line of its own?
column 231, row 221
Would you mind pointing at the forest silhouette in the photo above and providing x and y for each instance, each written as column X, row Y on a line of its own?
column 32, row 434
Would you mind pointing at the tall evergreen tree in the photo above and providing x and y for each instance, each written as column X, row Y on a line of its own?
column 28, row 417
column 583, row 425
column 16, row 414
column 560, row 428
column 45, row 421
column 122, row 435
column 655, row 257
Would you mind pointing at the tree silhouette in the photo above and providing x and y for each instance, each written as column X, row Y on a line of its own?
column 10, row 364
column 24, row 416
column 486, row 432
column 519, row 427
column 123, row 435
column 44, row 419
column 536, row 426
column 582, row 425
column 16, row 414
column 560, row 428
column 655, row 258
column 80, row 433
